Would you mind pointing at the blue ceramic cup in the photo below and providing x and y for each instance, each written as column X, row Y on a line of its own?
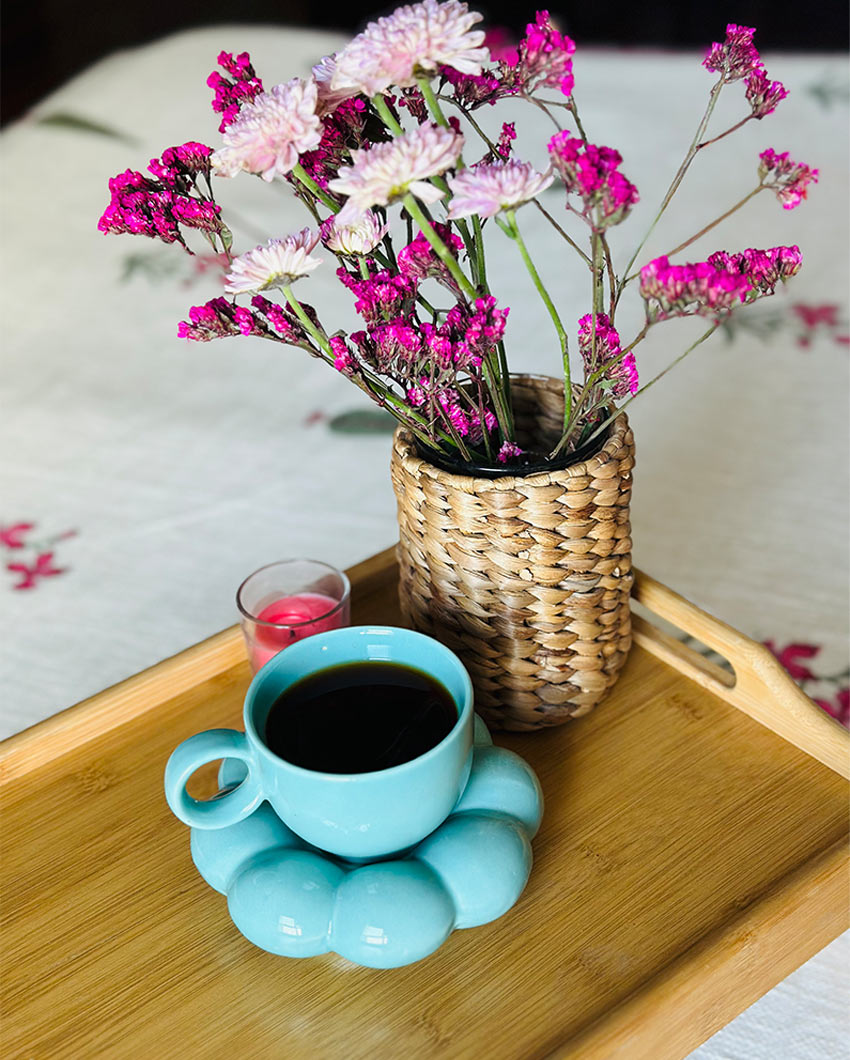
column 352, row 815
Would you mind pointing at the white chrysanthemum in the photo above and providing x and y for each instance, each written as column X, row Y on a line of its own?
column 360, row 237
column 277, row 264
column 413, row 39
column 491, row 187
column 271, row 132
column 329, row 97
column 387, row 171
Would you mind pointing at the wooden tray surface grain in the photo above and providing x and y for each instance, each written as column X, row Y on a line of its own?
column 688, row 860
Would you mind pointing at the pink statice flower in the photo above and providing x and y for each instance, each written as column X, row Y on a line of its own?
column 508, row 451
column 231, row 95
column 283, row 321
column 736, row 57
column 359, row 237
column 599, row 345
column 703, row 289
column 489, row 188
column 342, row 131
column 213, row 320
column 593, row 174
column 413, row 40
column 344, row 359
column 471, row 90
column 153, row 208
column 418, row 260
column 544, row 59
column 386, row 172
column 504, row 145
column 763, row 268
column 382, row 295
column 789, row 179
column 180, row 166
column 270, row 133
column 763, row 94
column 277, row 264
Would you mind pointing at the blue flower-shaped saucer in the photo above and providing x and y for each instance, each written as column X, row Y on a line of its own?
column 290, row 898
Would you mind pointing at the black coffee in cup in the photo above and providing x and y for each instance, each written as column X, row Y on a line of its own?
column 359, row 717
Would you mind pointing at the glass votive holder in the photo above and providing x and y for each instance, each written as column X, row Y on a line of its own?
column 287, row 601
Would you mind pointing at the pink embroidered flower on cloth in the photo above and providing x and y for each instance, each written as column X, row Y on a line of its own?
column 413, row 40
column 489, row 188
column 13, row 536
column 386, row 172
column 269, row 133
column 32, row 573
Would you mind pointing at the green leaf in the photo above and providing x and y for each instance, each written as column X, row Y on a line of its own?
column 363, row 421
column 64, row 120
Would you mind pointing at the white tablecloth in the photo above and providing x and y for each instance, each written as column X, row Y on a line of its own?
column 142, row 477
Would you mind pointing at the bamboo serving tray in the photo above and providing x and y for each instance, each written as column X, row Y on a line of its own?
column 693, row 853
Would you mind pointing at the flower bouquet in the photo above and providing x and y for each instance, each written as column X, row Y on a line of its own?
column 513, row 491
column 373, row 145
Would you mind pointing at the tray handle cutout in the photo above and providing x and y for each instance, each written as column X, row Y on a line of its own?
column 758, row 685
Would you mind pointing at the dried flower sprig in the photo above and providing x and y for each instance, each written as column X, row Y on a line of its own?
column 365, row 140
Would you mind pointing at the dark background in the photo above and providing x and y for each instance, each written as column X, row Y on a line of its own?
column 45, row 42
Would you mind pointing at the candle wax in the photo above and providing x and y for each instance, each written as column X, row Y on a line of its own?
column 298, row 616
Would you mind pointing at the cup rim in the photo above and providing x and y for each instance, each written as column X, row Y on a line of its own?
column 464, row 712
column 343, row 600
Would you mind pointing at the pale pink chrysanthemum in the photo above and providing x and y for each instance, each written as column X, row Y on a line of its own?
column 329, row 98
column 412, row 40
column 359, row 237
column 385, row 172
column 494, row 186
column 271, row 132
column 277, row 264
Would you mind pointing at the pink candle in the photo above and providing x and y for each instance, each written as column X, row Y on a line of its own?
column 295, row 617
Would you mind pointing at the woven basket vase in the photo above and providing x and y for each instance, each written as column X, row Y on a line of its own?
column 526, row 578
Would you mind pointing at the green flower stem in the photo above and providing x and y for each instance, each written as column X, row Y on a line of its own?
column 677, row 180
column 440, row 248
column 513, row 231
column 705, row 335
column 433, row 105
column 369, row 384
column 317, row 336
column 301, row 174
column 479, row 251
column 386, row 115
column 591, row 381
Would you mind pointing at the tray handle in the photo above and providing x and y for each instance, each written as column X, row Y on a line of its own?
column 759, row 686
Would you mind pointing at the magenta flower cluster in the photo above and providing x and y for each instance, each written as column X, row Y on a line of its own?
column 737, row 59
column 544, row 59
column 593, row 174
column 158, row 208
column 342, row 132
column 375, row 128
column 599, row 346
column 231, row 94
column 716, row 286
column 789, row 179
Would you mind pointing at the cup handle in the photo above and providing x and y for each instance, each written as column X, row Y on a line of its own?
column 223, row 810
